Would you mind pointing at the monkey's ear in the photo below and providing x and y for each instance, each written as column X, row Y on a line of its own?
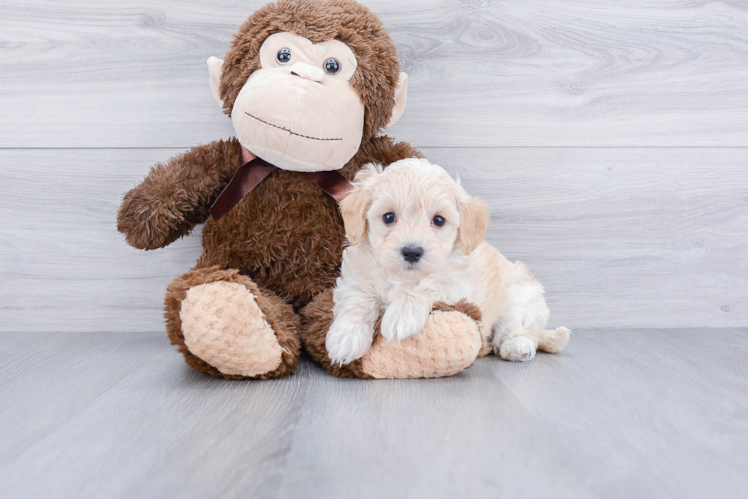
column 401, row 96
column 214, row 68
column 353, row 209
column 474, row 219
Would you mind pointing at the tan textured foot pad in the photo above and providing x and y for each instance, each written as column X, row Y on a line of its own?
column 448, row 344
column 224, row 326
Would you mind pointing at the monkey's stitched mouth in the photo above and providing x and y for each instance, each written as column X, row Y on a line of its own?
column 289, row 130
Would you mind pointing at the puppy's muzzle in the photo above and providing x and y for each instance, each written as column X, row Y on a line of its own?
column 412, row 254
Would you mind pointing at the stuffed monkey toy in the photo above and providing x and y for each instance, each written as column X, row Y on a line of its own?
column 308, row 86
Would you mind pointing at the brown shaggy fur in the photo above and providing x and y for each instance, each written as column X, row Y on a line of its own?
column 177, row 195
column 285, row 237
column 317, row 317
column 463, row 306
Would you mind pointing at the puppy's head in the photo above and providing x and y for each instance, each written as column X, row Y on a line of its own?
column 413, row 215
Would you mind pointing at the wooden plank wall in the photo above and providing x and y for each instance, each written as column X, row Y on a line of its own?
column 610, row 139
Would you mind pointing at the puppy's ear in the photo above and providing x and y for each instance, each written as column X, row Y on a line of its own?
column 474, row 219
column 353, row 208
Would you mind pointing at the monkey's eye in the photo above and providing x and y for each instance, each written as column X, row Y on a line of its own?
column 389, row 218
column 284, row 56
column 439, row 220
column 332, row 66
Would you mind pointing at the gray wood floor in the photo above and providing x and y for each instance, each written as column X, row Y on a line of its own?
column 620, row 413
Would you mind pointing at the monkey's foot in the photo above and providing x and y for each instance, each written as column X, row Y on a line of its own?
column 448, row 344
column 225, row 326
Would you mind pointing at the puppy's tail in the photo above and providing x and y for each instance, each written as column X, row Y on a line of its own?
column 553, row 340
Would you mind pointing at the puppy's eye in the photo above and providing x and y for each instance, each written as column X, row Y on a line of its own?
column 284, row 56
column 439, row 220
column 389, row 218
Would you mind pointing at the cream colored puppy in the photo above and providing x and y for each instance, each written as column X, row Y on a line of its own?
column 417, row 238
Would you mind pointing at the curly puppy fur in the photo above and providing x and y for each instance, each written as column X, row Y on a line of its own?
column 285, row 238
column 417, row 238
column 316, row 319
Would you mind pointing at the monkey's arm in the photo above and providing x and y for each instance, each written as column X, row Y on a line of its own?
column 176, row 195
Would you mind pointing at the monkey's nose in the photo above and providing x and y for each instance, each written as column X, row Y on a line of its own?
column 412, row 254
column 307, row 72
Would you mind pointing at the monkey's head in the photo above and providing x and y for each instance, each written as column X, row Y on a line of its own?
column 305, row 82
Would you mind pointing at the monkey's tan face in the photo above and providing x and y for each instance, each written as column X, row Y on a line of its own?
column 299, row 111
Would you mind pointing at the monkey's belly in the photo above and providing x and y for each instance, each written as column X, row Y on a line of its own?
column 287, row 235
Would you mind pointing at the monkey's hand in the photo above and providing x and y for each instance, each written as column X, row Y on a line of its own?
column 176, row 195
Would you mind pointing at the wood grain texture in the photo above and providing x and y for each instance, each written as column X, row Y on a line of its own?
column 121, row 414
column 640, row 237
column 620, row 238
column 482, row 73
column 620, row 413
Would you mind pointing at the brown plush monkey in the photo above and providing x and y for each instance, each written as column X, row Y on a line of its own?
column 308, row 86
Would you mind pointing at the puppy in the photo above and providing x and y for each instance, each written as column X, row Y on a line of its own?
column 416, row 238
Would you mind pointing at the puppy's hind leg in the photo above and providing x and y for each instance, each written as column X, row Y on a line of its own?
column 512, row 341
column 520, row 330
column 521, row 344
column 553, row 341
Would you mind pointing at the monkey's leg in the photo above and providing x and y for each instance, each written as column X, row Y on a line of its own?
column 448, row 344
column 226, row 326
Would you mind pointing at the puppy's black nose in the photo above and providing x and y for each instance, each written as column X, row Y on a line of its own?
column 412, row 254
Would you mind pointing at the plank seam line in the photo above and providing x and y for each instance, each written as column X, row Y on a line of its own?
column 104, row 148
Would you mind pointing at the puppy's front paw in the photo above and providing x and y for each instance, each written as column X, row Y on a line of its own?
column 402, row 320
column 517, row 349
column 347, row 341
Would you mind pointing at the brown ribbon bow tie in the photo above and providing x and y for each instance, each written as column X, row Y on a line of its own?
column 254, row 170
